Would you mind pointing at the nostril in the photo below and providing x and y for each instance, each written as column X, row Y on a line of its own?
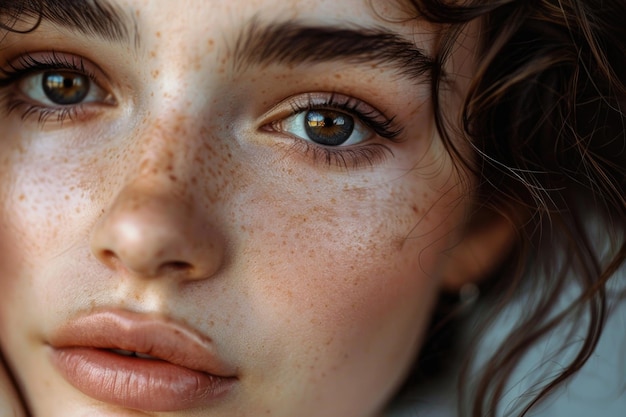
column 176, row 267
column 108, row 256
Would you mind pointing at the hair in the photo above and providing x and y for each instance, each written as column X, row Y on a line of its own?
column 544, row 117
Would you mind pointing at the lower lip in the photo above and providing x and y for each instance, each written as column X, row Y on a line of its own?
column 142, row 384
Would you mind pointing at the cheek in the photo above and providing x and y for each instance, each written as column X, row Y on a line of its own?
column 344, row 279
column 43, row 193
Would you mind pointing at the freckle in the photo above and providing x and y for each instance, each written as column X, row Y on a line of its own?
column 22, row 197
column 153, row 54
column 155, row 74
column 158, row 34
column 173, row 178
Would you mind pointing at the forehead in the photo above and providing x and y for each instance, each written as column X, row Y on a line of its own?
column 120, row 19
column 330, row 11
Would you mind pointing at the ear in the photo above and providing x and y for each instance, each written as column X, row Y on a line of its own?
column 485, row 244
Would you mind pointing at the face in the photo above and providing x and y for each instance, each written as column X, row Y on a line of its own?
column 208, row 209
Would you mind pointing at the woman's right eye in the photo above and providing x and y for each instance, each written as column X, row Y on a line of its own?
column 62, row 88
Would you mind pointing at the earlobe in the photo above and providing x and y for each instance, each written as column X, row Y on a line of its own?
column 485, row 244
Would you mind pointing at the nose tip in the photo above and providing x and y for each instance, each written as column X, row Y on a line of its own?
column 152, row 236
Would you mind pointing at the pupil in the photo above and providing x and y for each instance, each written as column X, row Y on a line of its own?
column 65, row 88
column 328, row 127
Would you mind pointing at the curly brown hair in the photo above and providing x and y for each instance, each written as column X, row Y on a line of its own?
column 544, row 117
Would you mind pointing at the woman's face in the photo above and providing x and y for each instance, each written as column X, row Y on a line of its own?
column 253, row 193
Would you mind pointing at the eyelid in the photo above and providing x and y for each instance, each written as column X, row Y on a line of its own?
column 32, row 62
column 17, row 71
column 365, row 154
column 383, row 125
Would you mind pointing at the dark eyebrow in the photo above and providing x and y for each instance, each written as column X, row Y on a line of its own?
column 98, row 18
column 292, row 43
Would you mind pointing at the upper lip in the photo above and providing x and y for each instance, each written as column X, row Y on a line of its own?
column 151, row 334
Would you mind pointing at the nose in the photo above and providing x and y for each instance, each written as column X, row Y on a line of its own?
column 151, row 231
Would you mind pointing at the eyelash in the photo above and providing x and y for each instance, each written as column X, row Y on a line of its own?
column 381, row 125
column 28, row 65
column 350, row 158
column 346, row 157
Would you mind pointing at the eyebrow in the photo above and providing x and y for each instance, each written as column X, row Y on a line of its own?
column 95, row 18
column 295, row 43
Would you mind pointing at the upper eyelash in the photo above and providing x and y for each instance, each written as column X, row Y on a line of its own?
column 384, row 128
column 28, row 64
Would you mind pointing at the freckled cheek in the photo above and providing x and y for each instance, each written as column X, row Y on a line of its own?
column 43, row 208
column 340, row 294
column 355, row 273
column 333, row 269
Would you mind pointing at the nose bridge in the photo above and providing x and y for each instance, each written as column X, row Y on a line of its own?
column 165, row 151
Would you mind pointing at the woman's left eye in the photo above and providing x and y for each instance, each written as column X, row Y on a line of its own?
column 60, row 88
column 325, row 127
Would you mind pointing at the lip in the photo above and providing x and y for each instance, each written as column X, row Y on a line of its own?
column 185, row 374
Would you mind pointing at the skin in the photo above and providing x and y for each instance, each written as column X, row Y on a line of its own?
column 316, row 281
column 9, row 403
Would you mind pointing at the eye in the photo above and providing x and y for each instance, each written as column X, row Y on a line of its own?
column 62, row 88
column 325, row 127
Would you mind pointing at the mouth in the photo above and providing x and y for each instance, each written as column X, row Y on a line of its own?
column 139, row 361
column 130, row 353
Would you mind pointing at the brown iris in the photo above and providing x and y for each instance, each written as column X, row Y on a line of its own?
column 65, row 88
column 328, row 127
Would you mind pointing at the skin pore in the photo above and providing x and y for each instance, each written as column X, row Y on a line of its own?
column 182, row 188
